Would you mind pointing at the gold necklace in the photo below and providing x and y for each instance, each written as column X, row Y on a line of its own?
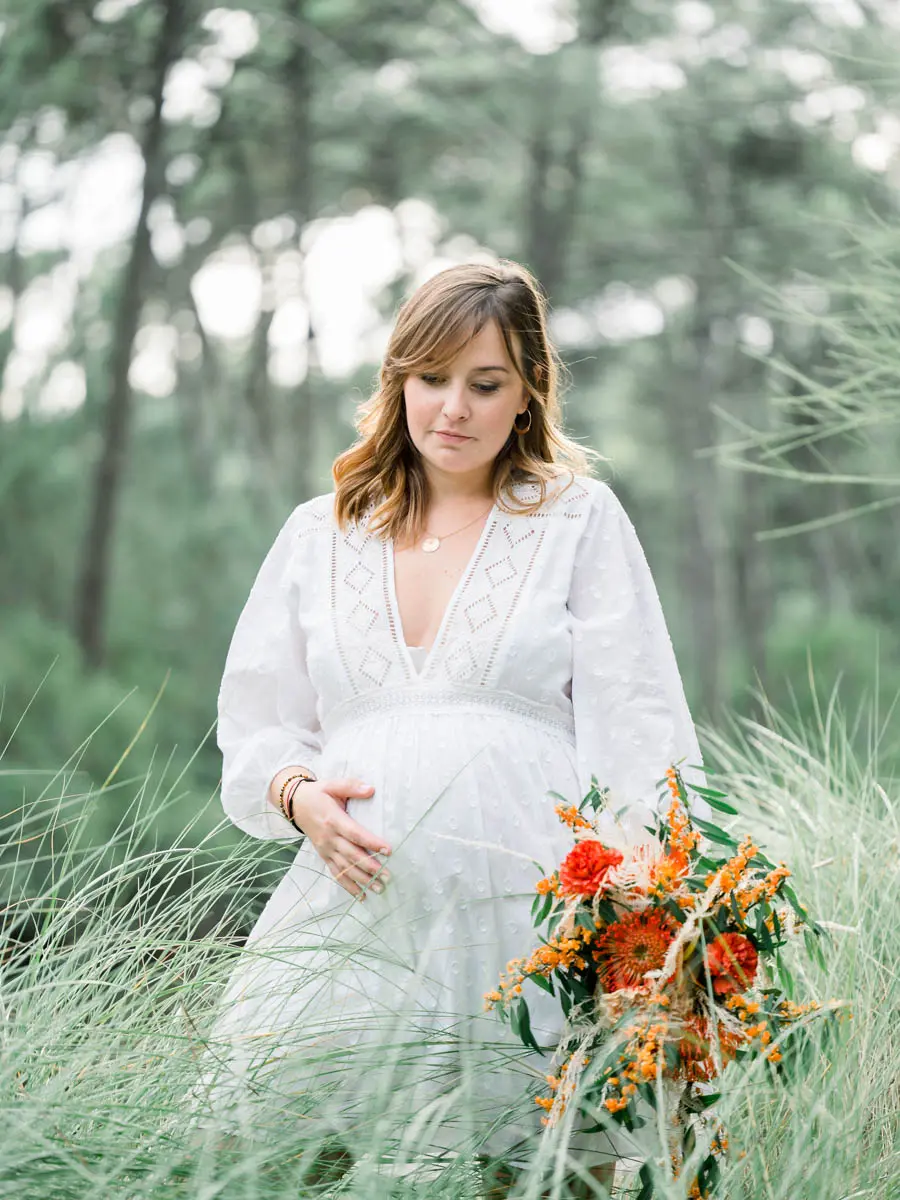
column 432, row 542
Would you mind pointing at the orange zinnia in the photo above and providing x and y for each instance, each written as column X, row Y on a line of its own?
column 732, row 960
column 636, row 944
column 585, row 867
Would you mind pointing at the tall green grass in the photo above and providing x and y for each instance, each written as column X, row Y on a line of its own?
column 114, row 959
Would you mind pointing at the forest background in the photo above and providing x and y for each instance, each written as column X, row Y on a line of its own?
column 209, row 214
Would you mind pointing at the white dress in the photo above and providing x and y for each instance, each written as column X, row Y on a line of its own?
column 552, row 663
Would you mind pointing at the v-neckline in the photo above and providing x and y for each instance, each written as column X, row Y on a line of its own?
column 451, row 603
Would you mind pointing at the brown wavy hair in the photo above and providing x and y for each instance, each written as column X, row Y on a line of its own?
column 383, row 470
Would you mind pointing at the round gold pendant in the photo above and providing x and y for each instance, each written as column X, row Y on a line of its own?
column 431, row 544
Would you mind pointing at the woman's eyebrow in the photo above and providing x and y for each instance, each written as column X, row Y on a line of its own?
column 506, row 369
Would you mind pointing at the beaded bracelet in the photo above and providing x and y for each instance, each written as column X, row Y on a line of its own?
column 289, row 798
column 287, row 805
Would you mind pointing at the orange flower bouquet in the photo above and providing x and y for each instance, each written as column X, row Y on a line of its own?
column 665, row 958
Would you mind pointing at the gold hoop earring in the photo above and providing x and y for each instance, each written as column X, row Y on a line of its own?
column 516, row 425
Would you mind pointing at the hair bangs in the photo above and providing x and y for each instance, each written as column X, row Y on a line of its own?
column 439, row 336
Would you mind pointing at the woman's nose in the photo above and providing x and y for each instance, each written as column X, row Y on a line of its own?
column 455, row 402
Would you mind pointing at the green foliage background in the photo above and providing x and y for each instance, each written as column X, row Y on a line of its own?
column 708, row 192
column 743, row 182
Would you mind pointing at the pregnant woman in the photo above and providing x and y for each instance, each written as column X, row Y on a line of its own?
column 465, row 624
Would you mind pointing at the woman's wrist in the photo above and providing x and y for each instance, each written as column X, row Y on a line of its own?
column 283, row 789
column 279, row 779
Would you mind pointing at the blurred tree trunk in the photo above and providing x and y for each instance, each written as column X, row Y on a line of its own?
column 753, row 603
column 201, row 405
column 299, row 80
column 14, row 278
column 555, row 179
column 93, row 588
column 257, row 391
column 706, row 562
column 689, row 427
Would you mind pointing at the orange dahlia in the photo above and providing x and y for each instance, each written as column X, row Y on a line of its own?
column 632, row 946
column 584, row 869
column 732, row 960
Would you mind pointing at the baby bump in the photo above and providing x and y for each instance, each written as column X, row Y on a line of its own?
column 453, row 793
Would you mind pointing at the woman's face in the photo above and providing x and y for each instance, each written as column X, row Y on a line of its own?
column 478, row 396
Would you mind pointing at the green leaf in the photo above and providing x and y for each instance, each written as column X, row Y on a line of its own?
column 672, row 1055
column 688, row 1140
column 704, row 863
column 645, row 1178
column 542, row 911
column 760, row 860
column 543, row 983
column 525, row 1025
column 715, row 834
column 520, row 1020
column 813, row 948
column 721, row 805
column 766, row 945
column 776, row 923
column 708, row 1175
column 785, row 977
column 715, row 800
column 795, row 904
column 708, row 793
column 579, row 991
column 584, row 918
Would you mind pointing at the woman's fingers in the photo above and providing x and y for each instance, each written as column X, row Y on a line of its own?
column 338, row 870
column 351, row 788
column 360, row 836
column 352, row 853
column 352, row 877
column 348, row 789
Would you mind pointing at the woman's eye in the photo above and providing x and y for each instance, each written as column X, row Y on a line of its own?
column 483, row 389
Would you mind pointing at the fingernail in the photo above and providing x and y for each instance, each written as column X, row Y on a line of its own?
column 377, row 885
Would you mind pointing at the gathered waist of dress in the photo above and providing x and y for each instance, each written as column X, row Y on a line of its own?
column 427, row 698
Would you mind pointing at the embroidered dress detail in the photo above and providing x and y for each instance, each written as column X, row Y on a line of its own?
column 434, row 699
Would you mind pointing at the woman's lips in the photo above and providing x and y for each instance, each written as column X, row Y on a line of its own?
column 452, row 438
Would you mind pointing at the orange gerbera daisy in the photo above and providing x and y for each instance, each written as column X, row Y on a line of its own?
column 633, row 946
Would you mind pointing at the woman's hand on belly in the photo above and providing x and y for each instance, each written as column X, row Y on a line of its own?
column 345, row 846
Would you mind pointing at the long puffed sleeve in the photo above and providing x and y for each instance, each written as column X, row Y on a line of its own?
column 631, row 716
column 267, row 706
